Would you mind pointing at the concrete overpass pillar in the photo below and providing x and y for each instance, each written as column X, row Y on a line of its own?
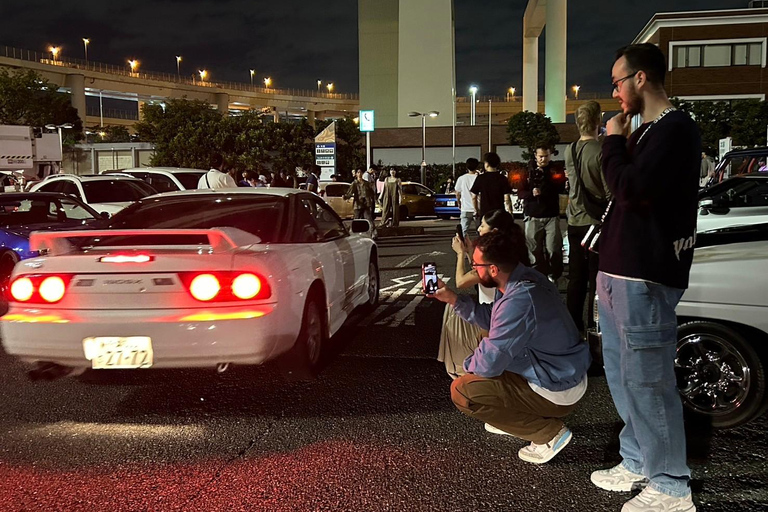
column 76, row 85
column 556, row 50
column 531, row 74
column 311, row 118
column 222, row 103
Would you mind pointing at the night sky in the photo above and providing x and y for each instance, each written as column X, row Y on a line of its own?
column 297, row 42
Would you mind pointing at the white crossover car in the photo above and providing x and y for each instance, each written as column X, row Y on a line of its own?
column 192, row 279
column 103, row 193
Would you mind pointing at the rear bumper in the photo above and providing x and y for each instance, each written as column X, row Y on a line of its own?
column 453, row 211
column 180, row 338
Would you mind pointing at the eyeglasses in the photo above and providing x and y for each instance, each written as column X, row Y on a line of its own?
column 617, row 83
column 475, row 265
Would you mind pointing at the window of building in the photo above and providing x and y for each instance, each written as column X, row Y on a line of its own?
column 694, row 56
column 740, row 54
column 717, row 55
column 755, row 54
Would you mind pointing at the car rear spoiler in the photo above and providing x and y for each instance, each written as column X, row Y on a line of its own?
column 57, row 243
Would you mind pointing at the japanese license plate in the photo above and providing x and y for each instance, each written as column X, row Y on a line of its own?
column 451, row 203
column 115, row 352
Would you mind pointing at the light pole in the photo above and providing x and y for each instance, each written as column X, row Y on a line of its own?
column 473, row 92
column 203, row 73
column 66, row 126
column 86, row 41
column 319, row 84
column 55, row 52
column 576, row 91
column 267, row 82
column 431, row 113
column 134, row 64
column 253, row 72
column 511, row 93
column 330, row 87
column 178, row 66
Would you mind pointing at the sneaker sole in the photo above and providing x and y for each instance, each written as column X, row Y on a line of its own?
column 497, row 432
column 543, row 461
column 622, row 487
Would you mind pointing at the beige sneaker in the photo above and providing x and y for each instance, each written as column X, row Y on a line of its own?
column 618, row 478
column 541, row 453
column 493, row 430
column 651, row 500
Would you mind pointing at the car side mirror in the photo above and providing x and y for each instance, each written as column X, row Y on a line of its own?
column 361, row 226
column 706, row 203
column 104, row 215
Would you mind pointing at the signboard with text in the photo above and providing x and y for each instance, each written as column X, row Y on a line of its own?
column 325, row 151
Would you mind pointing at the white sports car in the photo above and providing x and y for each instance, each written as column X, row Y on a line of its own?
column 195, row 278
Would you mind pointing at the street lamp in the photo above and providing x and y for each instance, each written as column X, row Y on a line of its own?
column 319, row 83
column 203, row 74
column 86, row 41
column 473, row 92
column 330, row 87
column 576, row 91
column 267, row 82
column 511, row 93
column 54, row 51
column 178, row 66
column 253, row 72
column 431, row 113
column 134, row 64
column 66, row 126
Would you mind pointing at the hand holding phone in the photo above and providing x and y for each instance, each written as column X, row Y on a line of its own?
column 429, row 278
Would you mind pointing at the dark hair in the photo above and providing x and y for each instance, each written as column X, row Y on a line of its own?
column 472, row 164
column 498, row 249
column 492, row 159
column 646, row 57
column 542, row 145
column 374, row 167
column 216, row 161
column 503, row 222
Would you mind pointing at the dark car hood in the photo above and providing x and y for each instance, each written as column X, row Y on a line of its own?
column 24, row 231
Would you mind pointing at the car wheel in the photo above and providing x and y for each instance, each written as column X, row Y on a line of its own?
column 303, row 360
column 719, row 374
column 403, row 212
column 373, row 285
column 8, row 260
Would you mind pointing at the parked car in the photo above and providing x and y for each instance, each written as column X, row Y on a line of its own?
column 447, row 206
column 418, row 201
column 737, row 201
column 188, row 279
column 22, row 213
column 103, row 193
column 165, row 179
column 722, row 347
column 739, row 162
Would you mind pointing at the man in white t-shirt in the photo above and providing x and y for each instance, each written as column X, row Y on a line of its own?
column 464, row 196
column 216, row 179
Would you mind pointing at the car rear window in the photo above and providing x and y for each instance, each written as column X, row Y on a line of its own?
column 116, row 191
column 262, row 216
column 336, row 190
column 189, row 179
column 42, row 210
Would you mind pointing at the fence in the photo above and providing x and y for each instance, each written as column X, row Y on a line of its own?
column 47, row 58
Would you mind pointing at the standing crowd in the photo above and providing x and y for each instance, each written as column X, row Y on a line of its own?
column 517, row 353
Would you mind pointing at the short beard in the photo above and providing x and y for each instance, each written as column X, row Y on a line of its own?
column 635, row 105
column 487, row 281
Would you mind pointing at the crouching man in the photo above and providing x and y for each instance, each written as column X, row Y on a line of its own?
column 531, row 370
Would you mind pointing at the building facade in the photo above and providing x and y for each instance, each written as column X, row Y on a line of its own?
column 712, row 55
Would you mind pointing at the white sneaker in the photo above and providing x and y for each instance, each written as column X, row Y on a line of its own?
column 541, row 453
column 618, row 478
column 651, row 500
column 493, row 430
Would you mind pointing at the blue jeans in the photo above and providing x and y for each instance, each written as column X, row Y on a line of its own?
column 639, row 330
column 466, row 219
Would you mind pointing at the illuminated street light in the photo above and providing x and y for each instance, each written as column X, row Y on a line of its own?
column 253, row 72
column 54, row 51
column 511, row 93
column 134, row 64
column 178, row 66
column 319, row 84
column 203, row 74
column 576, row 91
column 267, row 82
column 473, row 92
column 431, row 113
column 330, row 87
column 86, row 41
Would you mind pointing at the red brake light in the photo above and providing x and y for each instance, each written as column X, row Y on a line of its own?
column 126, row 258
column 22, row 289
column 246, row 286
column 39, row 289
column 52, row 289
column 204, row 287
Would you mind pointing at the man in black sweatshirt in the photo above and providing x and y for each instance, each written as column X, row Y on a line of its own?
column 646, row 249
column 541, row 197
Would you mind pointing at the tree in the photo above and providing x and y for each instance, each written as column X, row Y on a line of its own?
column 750, row 119
column 530, row 129
column 713, row 118
column 26, row 98
column 108, row 134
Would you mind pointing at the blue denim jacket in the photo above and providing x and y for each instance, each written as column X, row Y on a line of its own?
column 530, row 333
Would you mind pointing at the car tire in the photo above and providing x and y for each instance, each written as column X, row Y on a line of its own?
column 403, row 212
column 719, row 374
column 373, row 285
column 8, row 260
column 303, row 360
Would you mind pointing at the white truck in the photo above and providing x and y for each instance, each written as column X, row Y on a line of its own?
column 27, row 155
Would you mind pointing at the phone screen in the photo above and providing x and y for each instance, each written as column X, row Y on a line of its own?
column 429, row 277
column 460, row 231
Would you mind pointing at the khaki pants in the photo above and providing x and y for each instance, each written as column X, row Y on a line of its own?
column 508, row 403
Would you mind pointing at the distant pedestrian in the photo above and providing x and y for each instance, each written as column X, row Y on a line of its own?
column 215, row 178
column 646, row 250
column 313, row 181
column 492, row 189
column 465, row 197
column 364, row 197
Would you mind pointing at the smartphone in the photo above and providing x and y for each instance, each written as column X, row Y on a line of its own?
column 429, row 278
column 460, row 232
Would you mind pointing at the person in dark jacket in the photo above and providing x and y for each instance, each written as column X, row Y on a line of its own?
column 540, row 193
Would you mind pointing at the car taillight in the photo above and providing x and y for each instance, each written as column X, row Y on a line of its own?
column 204, row 287
column 39, row 289
column 226, row 286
